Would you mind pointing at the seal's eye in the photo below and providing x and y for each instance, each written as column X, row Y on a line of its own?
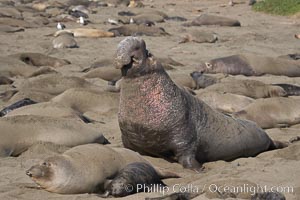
column 46, row 164
column 208, row 65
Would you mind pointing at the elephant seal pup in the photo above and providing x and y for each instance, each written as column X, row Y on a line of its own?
column 272, row 112
column 20, row 132
column 205, row 19
column 16, row 105
column 38, row 59
column 250, row 88
column 133, row 29
column 64, row 40
column 139, row 176
column 86, row 32
column 82, row 169
column 291, row 90
column 158, row 118
column 251, row 65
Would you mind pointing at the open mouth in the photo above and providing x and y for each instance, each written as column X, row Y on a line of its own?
column 125, row 68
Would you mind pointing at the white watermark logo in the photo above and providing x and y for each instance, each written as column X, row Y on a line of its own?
column 213, row 188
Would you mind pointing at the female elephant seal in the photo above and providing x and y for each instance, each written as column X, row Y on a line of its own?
column 205, row 19
column 139, row 177
column 82, row 169
column 251, row 65
column 18, row 133
column 272, row 112
column 158, row 118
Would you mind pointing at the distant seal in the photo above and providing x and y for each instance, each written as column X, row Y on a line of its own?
column 158, row 118
column 139, row 176
column 18, row 133
column 82, row 169
column 199, row 37
column 272, row 112
column 86, row 32
column 64, row 40
column 16, row 105
column 10, row 29
column 250, row 88
column 133, row 29
column 251, row 65
column 206, row 19
column 38, row 59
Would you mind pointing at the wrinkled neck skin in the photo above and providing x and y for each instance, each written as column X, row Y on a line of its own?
column 147, row 96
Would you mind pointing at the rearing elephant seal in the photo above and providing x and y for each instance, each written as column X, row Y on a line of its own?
column 158, row 118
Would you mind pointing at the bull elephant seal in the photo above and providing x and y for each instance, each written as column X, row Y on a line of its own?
column 272, row 112
column 139, row 176
column 158, row 118
column 82, row 169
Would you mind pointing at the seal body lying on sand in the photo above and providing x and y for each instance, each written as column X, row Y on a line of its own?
column 133, row 29
column 20, row 132
column 272, row 112
column 205, row 19
column 82, row 169
column 85, row 32
column 224, row 102
column 158, row 118
column 250, row 88
column 138, row 175
column 251, row 65
column 64, row 40
column 38, row 59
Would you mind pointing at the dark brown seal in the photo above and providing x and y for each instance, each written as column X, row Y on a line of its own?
column 158, row 118
column 135, row 177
